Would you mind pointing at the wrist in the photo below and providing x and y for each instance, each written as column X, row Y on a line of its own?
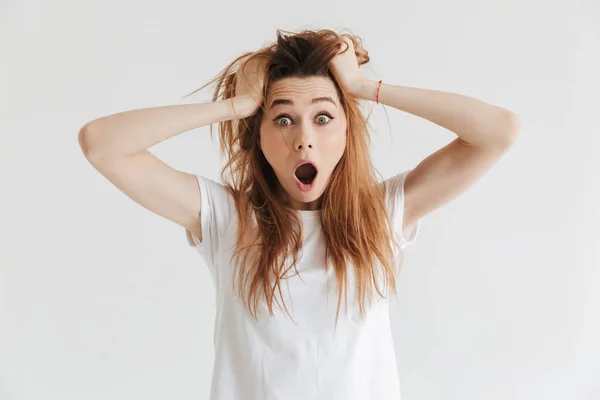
column 243, row 106
column 367, row 90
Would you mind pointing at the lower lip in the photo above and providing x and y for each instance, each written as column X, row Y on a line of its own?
column 306, row 187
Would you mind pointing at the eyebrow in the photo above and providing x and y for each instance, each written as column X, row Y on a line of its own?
column 290, row 102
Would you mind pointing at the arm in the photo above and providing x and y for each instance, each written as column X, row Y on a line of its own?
column 116, row 145
column 485, row 132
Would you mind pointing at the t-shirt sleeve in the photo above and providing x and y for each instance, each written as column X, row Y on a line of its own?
column 215, row 218
column 394, row 192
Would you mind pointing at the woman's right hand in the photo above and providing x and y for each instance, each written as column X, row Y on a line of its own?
column 249, row 87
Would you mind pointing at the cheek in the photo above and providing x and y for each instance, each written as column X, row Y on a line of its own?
column 273, row 147
column 335, row 145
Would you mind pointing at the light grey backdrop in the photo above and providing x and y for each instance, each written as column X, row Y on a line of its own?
column 99, row 298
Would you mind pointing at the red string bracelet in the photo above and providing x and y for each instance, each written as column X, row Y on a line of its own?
column 377, row 95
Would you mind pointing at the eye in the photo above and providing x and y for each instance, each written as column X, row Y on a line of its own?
column 282, row 116
column 327, row 115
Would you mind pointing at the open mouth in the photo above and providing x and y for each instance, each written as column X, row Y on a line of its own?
column 306, row 173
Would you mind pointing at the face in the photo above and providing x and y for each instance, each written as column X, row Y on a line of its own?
column 298, row 129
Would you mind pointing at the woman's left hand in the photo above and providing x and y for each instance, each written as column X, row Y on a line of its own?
column 347, row 69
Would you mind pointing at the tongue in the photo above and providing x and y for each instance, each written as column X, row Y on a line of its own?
column 306, row 172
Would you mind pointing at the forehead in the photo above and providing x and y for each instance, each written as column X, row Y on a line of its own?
column 302, row 90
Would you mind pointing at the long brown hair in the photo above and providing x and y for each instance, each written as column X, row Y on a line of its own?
column 354, row 219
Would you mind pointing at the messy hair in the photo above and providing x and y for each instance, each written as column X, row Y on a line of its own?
column 355, row 223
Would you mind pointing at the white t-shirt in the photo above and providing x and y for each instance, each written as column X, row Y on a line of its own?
column 273, row 358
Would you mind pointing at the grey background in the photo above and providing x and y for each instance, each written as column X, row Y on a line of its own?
column 99, row 298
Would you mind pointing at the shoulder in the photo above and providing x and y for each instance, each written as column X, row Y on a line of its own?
column 216, row 210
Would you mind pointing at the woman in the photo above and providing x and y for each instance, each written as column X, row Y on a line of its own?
column 302, row 213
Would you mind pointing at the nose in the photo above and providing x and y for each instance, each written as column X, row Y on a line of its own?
column 303, row 144
column 303, row 141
